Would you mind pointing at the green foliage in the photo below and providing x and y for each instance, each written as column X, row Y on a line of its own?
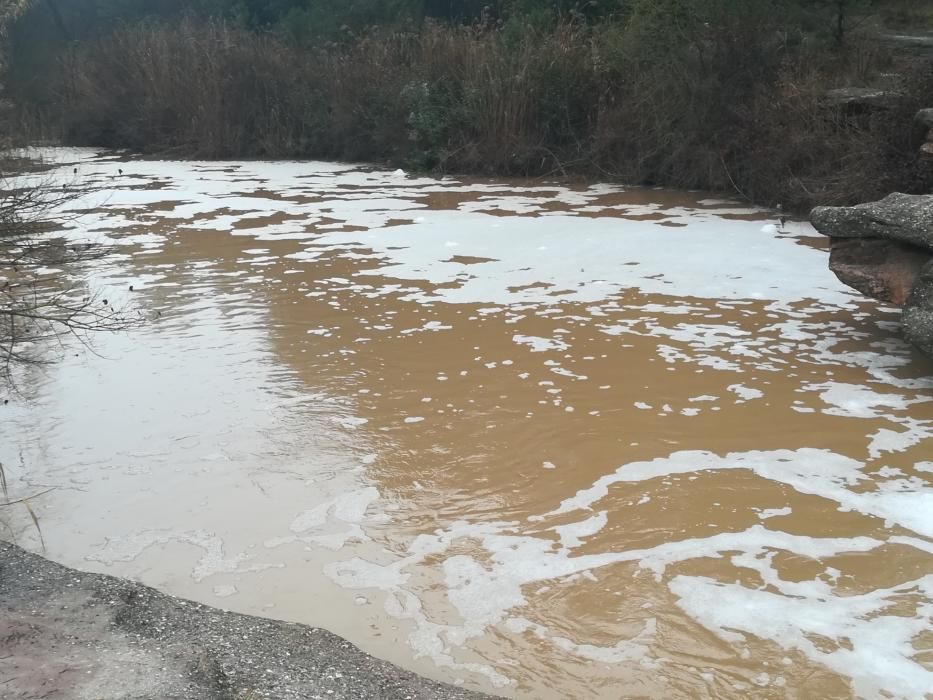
column 434, row 113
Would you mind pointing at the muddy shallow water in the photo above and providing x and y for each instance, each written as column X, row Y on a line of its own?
column 542, row 440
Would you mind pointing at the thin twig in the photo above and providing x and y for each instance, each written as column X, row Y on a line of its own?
column 26, row 498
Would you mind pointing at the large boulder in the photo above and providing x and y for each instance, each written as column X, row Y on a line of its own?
column 884, row 250
column 878, row 268
column 907, row 218
column 922, row 132
column 855, row 101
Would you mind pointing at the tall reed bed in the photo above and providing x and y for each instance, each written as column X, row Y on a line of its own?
column 714, row 107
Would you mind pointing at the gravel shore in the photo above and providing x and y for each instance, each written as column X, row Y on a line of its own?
column 70, row 634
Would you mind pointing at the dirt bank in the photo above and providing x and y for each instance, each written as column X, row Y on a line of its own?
column 70, row 634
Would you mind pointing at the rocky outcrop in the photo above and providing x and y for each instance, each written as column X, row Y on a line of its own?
column 907, row 218
column 854, row 101
column 884, row 249
column 911, row 44
column 885, row 270
column 922, row 133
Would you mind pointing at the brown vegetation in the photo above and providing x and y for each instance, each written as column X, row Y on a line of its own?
column 701, row 103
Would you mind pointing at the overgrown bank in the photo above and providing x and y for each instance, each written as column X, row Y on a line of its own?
column 705, row 94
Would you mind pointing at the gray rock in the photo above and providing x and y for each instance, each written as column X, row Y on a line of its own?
column 898, row 217
column 917, row 319
column 922, row 130
column 884, row 249
column 853, row 101
column 918, row 44
column 925, row 118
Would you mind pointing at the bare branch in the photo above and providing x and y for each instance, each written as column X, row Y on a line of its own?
column 44, row 297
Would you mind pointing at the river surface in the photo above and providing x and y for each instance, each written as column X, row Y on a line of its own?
column 543, row 440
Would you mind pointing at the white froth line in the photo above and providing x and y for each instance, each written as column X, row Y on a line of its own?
column 816, row 472
column 878, row 655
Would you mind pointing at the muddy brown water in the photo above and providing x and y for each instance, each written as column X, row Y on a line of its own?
column 545, row 441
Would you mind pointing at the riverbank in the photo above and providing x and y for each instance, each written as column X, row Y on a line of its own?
column 750, row 114
column 68, row 633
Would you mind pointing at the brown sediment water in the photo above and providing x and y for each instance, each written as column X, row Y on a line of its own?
column 547, row 441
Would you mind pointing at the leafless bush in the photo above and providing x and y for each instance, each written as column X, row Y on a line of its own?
column 42, row 301
column 719, row 108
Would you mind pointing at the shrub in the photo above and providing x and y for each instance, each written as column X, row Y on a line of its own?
column 680, row 93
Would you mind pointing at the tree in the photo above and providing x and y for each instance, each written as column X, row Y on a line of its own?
column 40, row 303
column 39, row 306
column 837, row 18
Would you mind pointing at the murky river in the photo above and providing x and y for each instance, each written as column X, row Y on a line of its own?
column 544, row 440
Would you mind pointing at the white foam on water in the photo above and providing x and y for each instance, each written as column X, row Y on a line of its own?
column 485, row 590
column 225, row 590
column 582, row 258
column 886, row 440
column 535, row 265
column 572, row 535
column 561, row 258
column 335, row 522
column 857, row 401
column 745, row 393
column 634, row 650
column 428, row 326
column 810, row 471
column 774, row 512
column 213, row 561
column 538, row 344
column 878, row 655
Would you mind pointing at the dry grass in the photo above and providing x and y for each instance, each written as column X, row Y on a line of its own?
column 723, row 109
column 25, row 502
column 907, row 15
